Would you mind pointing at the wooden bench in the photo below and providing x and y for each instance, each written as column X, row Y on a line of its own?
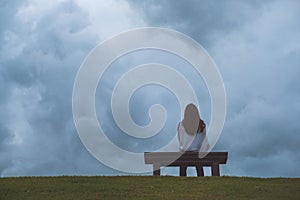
column 212, row 159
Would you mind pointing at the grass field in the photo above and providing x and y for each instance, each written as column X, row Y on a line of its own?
column 148, row 187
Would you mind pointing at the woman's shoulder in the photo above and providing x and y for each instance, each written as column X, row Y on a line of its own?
column 204, row 131
column 180, row 124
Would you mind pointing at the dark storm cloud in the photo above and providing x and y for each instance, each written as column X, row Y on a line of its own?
column 199, row 19
column 256, row 47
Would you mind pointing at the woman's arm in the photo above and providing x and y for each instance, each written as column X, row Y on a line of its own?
column 205, row 145
column 178, row 132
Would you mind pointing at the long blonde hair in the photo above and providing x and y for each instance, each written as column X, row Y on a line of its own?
column 192, row 122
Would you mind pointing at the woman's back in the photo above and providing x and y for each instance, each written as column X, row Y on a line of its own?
column 192, row 131
column 188, row 142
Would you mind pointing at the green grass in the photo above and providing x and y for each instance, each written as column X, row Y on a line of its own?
column 148, row 187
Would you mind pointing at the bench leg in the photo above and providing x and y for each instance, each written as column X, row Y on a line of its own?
column 156, row 170
column 199, row 170
column 215, row 169
column 183, row 170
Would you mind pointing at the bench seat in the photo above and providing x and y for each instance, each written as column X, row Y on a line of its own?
column 186, row 159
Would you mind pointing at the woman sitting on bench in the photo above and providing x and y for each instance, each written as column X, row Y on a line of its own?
column 192, row 131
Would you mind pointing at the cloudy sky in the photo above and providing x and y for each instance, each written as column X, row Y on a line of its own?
column 255, row 44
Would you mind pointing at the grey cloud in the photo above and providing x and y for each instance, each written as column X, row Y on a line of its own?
column 254, row 43
column 199, row 19
column 256, row 47
column 38, row 136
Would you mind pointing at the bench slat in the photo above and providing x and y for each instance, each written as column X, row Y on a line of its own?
column 174, row 158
